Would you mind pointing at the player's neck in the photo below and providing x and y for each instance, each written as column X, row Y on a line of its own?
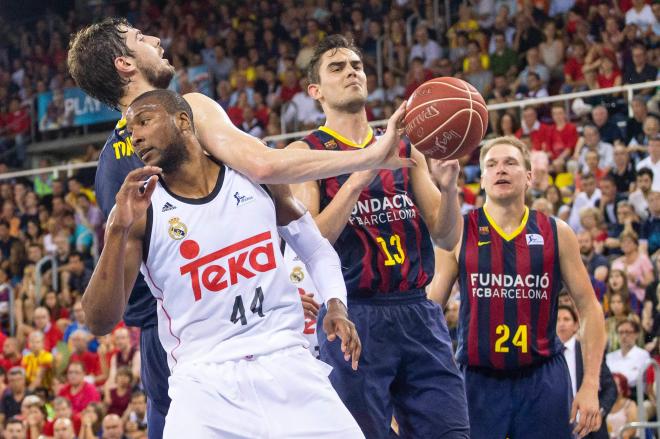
column 196, row 178
column 353, row 126
column 132, row 90
column 507, row 216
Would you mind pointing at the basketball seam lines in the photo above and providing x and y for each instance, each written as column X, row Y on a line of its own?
column 468, row 126
column 453, row 86
column 445, row 99
column 446, row 122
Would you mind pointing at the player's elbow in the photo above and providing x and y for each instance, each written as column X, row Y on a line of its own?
column 99, row 323
column 262, row 171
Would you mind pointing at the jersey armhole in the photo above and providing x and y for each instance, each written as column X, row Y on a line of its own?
column 146, row 239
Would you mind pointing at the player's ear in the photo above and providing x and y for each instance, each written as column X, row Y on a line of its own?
column 184, row 123
column 314, row 90
column 124, row 65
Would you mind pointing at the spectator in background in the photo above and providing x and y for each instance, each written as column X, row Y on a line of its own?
column 592, row 260
column 137, row 410
column 34, row 414
column 63, row 429
column 623, row 170
column 609, row 199
column 639, row 198
column 624, row 409
column 89, row 215
column 650, row 234
column 540, row 173
column 62, row 410
column 126, row 355
column 89, row 360
column 563, row 138
column 43, row 323
column 608, row 130
column 630, row 358
column 537, row 132
column 416, row 76
column 289, row 86
column 251, row 124
column 392, row 89
column 113, row 428
column 591, row 141
column 534, row 89
column 11, row 354
column 641, row 15
column 78, row 273
column 16, row 391
column 639, row 70
column 14, row 429
column 552, row 49
column 118, row 394
column 634, row 124
column 90, row 421
column 304, row 109
column 76, row 390
column 425, row 48
column 38, row 363
column 587, row 197
column 534, row 65
column 574, row 79
column 636, row 265
column 503, row 60
column 652, row 162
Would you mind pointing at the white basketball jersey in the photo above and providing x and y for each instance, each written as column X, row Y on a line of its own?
column 300, row 278
column 215, row 268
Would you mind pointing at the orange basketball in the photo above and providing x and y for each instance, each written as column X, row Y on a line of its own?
column 446, row 118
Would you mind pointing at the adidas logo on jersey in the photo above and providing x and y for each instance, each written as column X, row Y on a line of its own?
column 167, row 207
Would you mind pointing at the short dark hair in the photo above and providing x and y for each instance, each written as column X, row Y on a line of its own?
column 608, row 177
column 331, row 42
column 645, row 171
column 91, row 59
column 171, row 101
column 138, row 394
column 15, row 420
column 630, row 322
column 570, row 310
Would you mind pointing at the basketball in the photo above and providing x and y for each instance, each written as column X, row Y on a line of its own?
column 446, row 118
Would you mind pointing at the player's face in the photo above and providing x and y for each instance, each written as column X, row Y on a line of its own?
column 504, row 176
column 343, row 84
column 148, row 56
column 566, row 326
column 155, row 136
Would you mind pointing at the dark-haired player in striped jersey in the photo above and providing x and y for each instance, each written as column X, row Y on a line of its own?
column 382, row 225
column 511, row 264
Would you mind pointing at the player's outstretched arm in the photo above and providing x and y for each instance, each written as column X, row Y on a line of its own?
column 322, row 262
column 438, row 207
column 109, row 288
column 251, row 157
column 592, row 330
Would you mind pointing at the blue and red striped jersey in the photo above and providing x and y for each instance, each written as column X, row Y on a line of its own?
column 385, row 246
column 509, row 286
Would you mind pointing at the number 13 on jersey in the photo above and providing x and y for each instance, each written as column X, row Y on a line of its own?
column 393, row 252
column 519, row 338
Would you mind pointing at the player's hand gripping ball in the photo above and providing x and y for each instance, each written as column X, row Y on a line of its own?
column 446, row 118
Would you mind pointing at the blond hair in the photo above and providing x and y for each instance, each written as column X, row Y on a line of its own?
column 506, row 140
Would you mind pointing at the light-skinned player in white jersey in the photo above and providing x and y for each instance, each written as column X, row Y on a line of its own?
column 229, row 318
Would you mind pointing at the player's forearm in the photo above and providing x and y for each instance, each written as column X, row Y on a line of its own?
column 592, row 338
column 105, row 298
column 320, row 259
column 283, row 166
column 446, row 225
column 332, row 220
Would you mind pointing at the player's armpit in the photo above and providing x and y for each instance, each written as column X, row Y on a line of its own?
column 287, row 207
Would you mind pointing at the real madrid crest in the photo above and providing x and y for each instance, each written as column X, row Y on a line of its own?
column 297, row 275
column 177, row 229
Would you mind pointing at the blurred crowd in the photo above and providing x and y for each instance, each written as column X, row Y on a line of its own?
column 595, row 162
